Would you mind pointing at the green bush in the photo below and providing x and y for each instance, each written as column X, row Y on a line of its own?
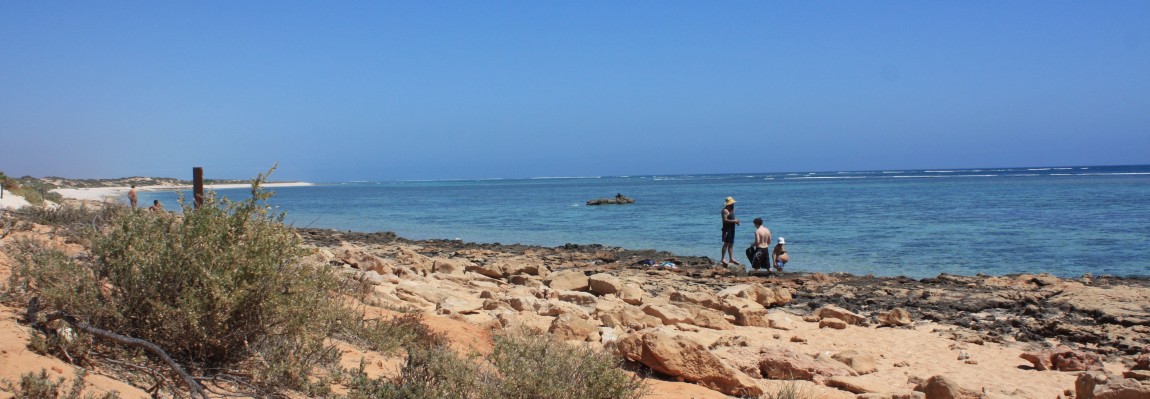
column 522, row 366
column 35, row 191
column 39, row 386
column 540, row 366
column 219, row 287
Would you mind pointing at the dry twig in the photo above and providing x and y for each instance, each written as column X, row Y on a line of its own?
column 193, row 385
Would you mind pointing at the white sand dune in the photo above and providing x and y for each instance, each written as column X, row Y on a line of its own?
column 12, row 201
column 105, row 193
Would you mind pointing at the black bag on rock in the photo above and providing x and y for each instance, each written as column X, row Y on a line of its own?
column 751, row 250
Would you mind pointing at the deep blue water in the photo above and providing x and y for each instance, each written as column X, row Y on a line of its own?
column 917, row 223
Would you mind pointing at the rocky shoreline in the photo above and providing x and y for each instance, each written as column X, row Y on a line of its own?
column 1102, row 319
column 701, row 331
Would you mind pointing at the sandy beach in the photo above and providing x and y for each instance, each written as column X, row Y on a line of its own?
column 106, row 193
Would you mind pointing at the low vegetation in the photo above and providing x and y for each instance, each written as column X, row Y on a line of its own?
column 40, row 386
column 35, row 191
column 523, row 366
column 227, row 291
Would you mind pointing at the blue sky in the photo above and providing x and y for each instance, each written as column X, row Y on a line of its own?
column 338, row 91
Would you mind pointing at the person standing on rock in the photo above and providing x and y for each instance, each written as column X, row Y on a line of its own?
column 761, row 259
column 132, row 196
column 729, row 223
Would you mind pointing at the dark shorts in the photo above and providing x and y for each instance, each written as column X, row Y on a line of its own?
column 729, row 236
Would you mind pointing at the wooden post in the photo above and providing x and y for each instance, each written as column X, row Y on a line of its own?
column 198, row 185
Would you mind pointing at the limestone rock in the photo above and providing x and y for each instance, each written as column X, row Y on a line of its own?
column 841, row 314
column 569, row 280
column 831, row 322
column 941, row 387
column 360, row 259
column 705, row 299
column 1120, row 303
column 415, row 260
column 861, row 363
column 603, row 284
column 529, row 321
column 570, row 327
column 785, row 363
column 856, row 385
column 555, row 307
column 1085, row 384
column 525, row 280
column 668, row 314
column 1142, row 362
column 710, row 318
column 501, row 268
column 1140, row 375
column 892, row 395
column 459, row 304
column 525, row 303
column 577, row 297
column 622, row 315
column 895, row 317
column 1125, row 388
column 1063, row 359
column 780, row 321
column 522, row 265
column 450, row 265
column 745, row 311
column 487, row 269
column 369, row 277
column 767, row 297
column 681, row 357
column 632, row 294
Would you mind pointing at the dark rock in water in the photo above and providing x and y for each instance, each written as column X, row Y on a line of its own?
column 619, row 199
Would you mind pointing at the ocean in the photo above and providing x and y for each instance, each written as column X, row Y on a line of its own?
column 1066, row 221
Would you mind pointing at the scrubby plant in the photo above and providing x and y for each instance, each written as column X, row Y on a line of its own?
column 219, row 287
column 428, row 373
column 34, row 190
column 789, row 389
column 40, row 386
column 79, row 223
column 541, row 366
column 522, row 366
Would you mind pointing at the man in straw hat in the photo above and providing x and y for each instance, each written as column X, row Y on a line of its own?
column 729, row 223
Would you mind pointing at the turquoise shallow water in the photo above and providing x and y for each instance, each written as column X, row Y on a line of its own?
column 1065, row 221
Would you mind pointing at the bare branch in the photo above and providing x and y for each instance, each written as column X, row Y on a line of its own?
column 194, row 386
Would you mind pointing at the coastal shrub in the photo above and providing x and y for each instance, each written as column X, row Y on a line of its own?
column 428, row 373
column 78, row 223
column 788, row 390
column 541, row 366
column 391, row 334
column 522, row 366
column 220, row 287
column 40, row 386
column 35, row 191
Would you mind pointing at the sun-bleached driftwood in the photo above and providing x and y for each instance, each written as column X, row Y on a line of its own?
column 34, row 308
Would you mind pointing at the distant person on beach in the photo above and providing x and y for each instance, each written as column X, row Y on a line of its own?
column 729, row 223
column 761, row 260
column 779, row 257
column 156, row 207
column 132, row 196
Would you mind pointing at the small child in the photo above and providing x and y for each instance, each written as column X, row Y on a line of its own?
column 779, row 255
